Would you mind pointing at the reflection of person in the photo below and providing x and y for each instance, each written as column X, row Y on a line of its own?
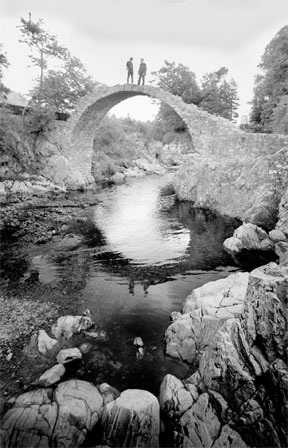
column 142, row 72
column 129, row 66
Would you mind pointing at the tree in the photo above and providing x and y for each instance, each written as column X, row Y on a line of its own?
column 178, row 80
column 272, row 85
column 279, row 119
column 62, row 89
column 3, row 64
column 219, row 96
column 42, row 45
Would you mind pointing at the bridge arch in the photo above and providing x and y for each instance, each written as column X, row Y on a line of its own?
column 78, row 135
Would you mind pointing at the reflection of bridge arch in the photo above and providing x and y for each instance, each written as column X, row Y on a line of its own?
column 77, row 138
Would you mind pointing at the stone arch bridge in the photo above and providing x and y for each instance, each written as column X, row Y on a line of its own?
column 211, row 136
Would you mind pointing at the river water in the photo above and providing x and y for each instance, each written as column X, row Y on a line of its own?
column 144, row 255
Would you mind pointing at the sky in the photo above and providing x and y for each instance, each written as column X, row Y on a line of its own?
column 203, row 35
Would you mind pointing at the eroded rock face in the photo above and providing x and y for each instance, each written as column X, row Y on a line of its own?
column 43, row 418
column 241, row 180
column 244, row 373
column 205, row 311
column 282, row 223
column 131, row 420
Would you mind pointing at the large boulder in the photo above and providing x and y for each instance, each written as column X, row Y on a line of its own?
column 131, row 420
column 41, row 418
column 205, row 310
column 52, row 376
column 66, row 326
column 248, row 237
column 220, row 298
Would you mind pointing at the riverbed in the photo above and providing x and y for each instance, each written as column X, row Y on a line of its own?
column 143, row 253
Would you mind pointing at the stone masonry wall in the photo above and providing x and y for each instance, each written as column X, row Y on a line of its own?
column 236, row 173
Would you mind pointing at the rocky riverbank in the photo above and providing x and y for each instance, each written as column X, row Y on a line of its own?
column 233, row 332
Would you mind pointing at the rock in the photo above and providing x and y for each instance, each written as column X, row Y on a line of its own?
column 95, row 334
column 19, row 187
column 253, row 237
column 281, row 249
column 176, row 398
column 265, row 310
column 229, row 439
column 3, row 195
column 108, row 393
column 205, row 310
column 41, row 418
column 131, row 420
column 45, row 343
column 117, row 178
column 80, row 407
column 199, row 426
column 52, row 376
column 66, row 326
column 138, row 341
column 189, row 335
column 85, row 347
column 133, row 172
column 9, row 356
column 221, row 298
column 68, row 354
column 31, row 420
column 244, row 372
column 276, row 236
column 233, row 245
column 175, row 315
column 282, row 223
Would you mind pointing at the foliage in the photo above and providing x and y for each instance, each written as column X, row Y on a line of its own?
column 216, row 94
column 39, row 120
column 62, row 89
column 3, row 64
column 178, row 80
column 57, row 89
column 279, row 119
column 219, row 96
column 42, row 44
column 268, row 105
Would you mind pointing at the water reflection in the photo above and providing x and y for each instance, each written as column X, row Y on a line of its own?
column 141, row 254
column 137, row 224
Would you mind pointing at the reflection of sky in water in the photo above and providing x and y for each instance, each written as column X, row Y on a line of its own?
column 135, row 225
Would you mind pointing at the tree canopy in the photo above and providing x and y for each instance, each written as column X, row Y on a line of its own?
column 215, row 93
column 3, row 64
column 269, row 103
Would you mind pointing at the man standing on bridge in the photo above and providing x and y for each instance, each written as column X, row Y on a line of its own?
column 142, row 72
column 129, row 66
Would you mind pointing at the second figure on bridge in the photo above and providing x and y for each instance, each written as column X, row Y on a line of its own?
column 142, row 72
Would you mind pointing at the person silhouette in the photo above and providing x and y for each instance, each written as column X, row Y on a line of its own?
column 129, row 66
column 142, row 72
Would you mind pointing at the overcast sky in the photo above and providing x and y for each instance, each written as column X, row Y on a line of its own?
column 201, row 34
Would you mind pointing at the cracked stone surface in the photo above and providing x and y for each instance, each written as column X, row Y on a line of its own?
column 244, row 371
column 46, row 418
column 131, row 420
column 205, row 311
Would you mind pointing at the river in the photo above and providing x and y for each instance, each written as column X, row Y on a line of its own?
column 144, row 254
